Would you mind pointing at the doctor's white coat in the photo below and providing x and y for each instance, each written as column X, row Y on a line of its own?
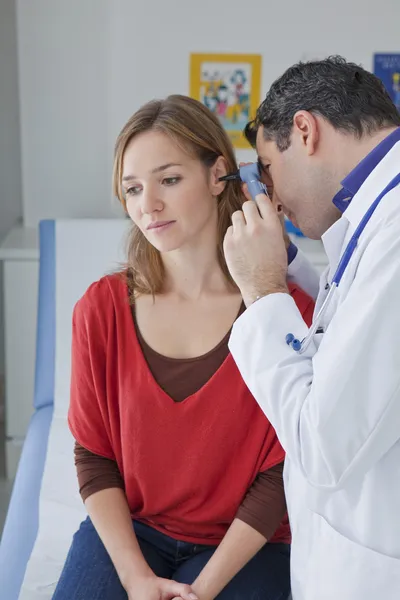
column 336, row 408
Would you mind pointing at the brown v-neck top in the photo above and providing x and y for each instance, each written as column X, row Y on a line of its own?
column 263, row 507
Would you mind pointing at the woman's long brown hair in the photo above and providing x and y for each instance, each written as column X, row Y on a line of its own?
column 195, row 128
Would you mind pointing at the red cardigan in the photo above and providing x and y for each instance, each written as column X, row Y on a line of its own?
column 186, row 465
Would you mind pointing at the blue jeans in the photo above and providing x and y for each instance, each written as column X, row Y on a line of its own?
column 89, row 574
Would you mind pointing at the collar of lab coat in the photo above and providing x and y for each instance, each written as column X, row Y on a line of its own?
column 374, row 184
column 334, row 238
column 354, row 180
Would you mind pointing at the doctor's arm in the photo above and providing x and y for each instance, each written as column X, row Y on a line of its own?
column 336, row 410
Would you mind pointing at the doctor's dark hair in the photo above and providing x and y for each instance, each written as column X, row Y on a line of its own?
column 352, row 99
column 197, row 131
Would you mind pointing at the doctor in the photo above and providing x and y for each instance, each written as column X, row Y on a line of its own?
column 329, row 137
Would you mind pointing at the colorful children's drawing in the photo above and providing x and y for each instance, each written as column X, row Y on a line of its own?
column 229, row 85
column 387, row 68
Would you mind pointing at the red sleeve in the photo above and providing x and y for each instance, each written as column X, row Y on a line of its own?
column 305, row 303
column 88, row 416
column 273, row 452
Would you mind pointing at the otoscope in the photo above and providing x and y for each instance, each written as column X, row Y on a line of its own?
column 251, row 175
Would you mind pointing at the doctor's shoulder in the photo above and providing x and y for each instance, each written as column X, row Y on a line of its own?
column 304, row 302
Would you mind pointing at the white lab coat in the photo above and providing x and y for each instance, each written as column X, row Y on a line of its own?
column 336, row 408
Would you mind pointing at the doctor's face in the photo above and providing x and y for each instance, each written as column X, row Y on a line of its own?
column 302, row 184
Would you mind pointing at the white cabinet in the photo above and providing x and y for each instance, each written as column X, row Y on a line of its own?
column 20, row 255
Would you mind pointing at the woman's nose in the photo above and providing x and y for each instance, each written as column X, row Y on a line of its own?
column 150, row 200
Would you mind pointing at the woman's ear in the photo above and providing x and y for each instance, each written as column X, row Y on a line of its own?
column 219, row 169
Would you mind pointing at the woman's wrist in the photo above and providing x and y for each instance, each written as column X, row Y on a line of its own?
column 131, row 573
column 201, row 589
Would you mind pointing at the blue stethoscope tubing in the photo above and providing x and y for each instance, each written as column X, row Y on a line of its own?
column 302, row 346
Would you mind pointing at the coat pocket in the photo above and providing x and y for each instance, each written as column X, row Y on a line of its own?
column 340, row 569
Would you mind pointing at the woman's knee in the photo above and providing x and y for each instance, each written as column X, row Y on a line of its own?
column 88, row 570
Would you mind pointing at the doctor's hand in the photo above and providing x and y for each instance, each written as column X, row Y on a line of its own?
column 267, row 180
column 255, row 250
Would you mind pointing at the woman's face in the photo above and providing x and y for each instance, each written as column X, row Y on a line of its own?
column 170, row 196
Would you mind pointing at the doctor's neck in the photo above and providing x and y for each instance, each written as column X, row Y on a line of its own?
column 350, row 150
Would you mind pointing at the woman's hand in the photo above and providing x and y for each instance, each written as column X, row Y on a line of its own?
column 157, row 588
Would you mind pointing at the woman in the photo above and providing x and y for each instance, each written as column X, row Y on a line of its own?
column 180, row 471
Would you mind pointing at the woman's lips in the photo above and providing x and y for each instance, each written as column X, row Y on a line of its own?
column 159, row 225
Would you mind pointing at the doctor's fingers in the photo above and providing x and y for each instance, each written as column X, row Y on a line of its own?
column 238, row 221
column 268, row 210
column 251, row 213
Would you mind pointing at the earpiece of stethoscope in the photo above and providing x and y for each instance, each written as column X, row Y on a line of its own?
column 301, row 346
column 294, row 342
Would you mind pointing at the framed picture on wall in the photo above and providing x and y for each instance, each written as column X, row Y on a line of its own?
column 387, row 68
column 229, row 85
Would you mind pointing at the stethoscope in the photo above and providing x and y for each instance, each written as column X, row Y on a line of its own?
column 301, row 346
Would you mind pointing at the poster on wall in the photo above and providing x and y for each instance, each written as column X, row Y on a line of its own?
column 387, row 68
column 229, row 85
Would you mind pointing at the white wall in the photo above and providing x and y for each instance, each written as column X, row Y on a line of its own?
column 86, row 65
column 63, row 60
column 10, row 164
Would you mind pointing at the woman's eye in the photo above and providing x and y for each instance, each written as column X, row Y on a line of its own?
column 171, row 180
column 136, row 189
column 132, row 191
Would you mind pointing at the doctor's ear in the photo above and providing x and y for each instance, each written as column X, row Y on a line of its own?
column 306, row 130
column 219, row 169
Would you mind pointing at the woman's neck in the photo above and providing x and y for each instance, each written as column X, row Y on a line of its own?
column 194, row 272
